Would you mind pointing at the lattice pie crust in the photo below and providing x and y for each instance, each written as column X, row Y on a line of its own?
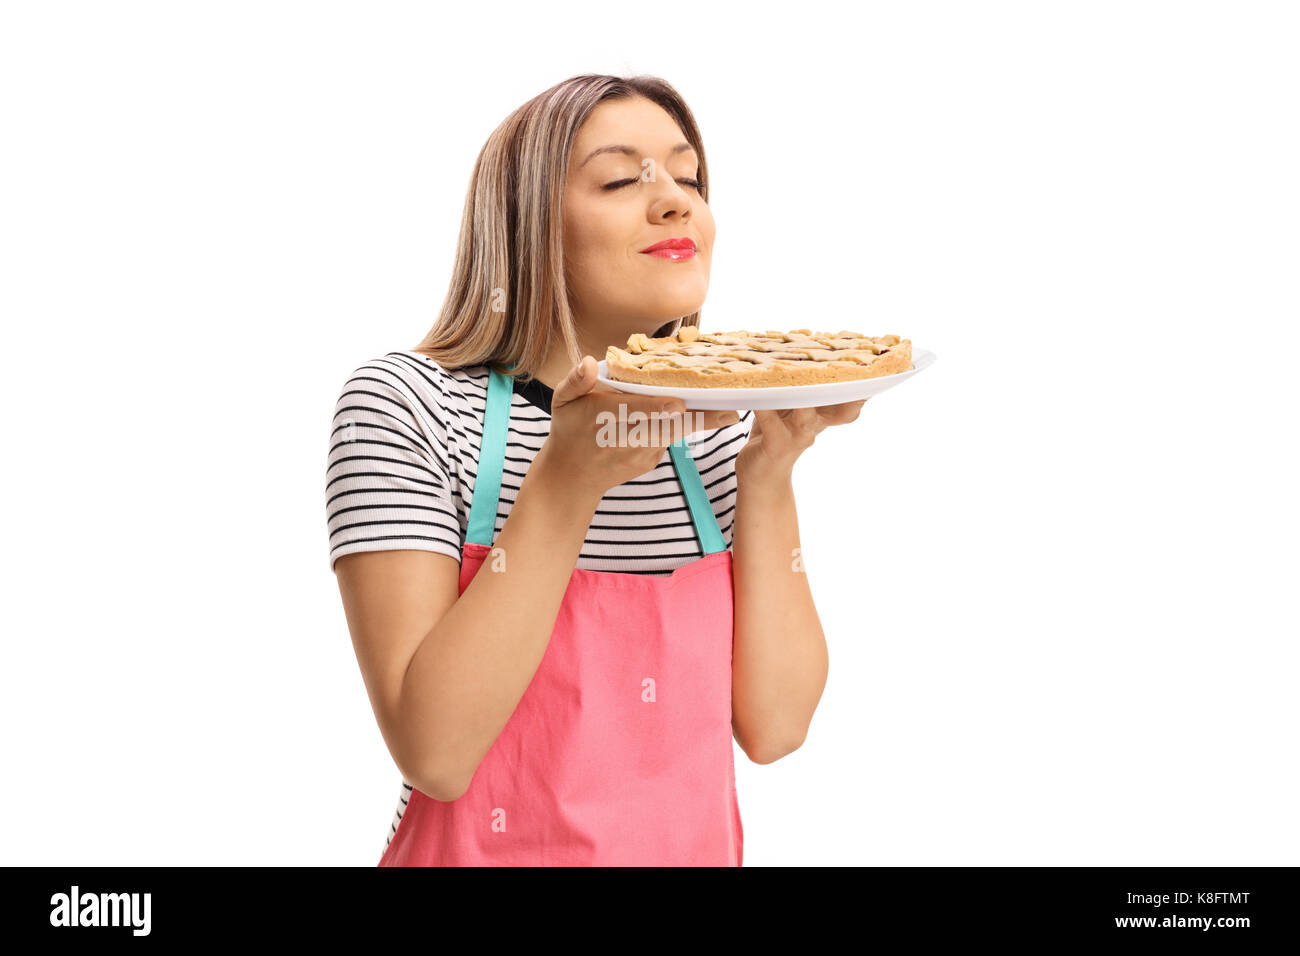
column 691, row 358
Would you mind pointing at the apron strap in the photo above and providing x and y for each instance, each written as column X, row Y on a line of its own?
column 491, row 457
column 697, row 499
column 492, row 453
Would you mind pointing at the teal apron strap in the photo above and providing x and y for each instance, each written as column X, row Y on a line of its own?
column 697, row 499
column 491, row 457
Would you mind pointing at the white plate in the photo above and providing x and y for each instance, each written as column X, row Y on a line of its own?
column 789, row 396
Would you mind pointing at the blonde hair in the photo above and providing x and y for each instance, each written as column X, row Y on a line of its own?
column 508, row 297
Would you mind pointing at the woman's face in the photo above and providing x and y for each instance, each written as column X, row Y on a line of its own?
column 630, row 185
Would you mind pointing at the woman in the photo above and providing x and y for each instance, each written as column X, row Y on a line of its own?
column 558, row 637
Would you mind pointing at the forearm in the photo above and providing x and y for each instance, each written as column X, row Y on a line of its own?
column 779, row 661
column 471, row 670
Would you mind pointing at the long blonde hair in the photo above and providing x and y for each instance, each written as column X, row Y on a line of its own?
column 508, row 295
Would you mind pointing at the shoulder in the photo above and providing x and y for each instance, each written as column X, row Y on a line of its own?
column 415, row 381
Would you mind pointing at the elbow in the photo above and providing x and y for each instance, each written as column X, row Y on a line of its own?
column 770, row 751
column 442, row 786
column 449, row 792
column 442, row 780
column 432, row 769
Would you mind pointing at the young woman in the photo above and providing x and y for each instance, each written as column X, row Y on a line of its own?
column 560, row 636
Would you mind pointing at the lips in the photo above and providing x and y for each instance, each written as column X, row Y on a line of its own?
column 674, row 249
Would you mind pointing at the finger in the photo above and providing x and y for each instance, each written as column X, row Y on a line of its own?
column 842, row 414
column 603, row 385
column 628, row 406
column 693, row 422
column 662, row 425
column 689, row 421
column 580, row 380
column 645, row 419
column 806, row 421
column 707, row 419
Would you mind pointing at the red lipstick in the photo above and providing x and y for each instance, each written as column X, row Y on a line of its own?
column 673, row 249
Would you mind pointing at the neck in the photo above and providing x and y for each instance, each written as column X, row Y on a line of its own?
column 558, row 364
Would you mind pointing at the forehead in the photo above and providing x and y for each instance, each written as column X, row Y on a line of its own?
column 634, row 121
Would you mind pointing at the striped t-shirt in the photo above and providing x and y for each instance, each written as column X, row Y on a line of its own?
column 404, row 451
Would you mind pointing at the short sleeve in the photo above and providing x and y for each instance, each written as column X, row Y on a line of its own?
column 388, row 477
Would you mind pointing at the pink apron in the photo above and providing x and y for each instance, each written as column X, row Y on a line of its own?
column 620, row 751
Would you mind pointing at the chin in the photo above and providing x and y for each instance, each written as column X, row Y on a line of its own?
column 662, row 317
column 669, row 308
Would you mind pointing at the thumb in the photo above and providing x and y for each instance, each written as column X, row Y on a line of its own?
column 577, row 383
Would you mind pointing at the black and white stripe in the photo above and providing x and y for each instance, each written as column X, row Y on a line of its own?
column 403, row 455
column 403, row 800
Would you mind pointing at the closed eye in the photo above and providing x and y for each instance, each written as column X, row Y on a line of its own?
column 620, row 183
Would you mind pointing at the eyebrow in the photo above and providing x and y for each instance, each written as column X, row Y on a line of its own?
column 629, row 151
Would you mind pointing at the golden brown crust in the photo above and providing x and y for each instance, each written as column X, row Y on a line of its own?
column 693, row 359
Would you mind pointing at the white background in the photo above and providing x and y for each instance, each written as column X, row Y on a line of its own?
column 1056, row 571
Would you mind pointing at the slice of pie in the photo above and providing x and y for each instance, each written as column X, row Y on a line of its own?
column 693, row 359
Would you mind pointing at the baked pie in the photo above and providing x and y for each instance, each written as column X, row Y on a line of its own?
column 690, row 358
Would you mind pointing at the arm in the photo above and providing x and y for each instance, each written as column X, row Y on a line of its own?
column 443, row 671
column 779, row 660
column 779, row 663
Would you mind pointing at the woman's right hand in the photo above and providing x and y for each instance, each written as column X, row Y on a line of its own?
column 589, row 448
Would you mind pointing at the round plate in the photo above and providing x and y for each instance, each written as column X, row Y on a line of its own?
column 789, row 396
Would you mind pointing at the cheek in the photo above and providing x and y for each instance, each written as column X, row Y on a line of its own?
column 586, row 238
column 706, row 227
column 596, row 253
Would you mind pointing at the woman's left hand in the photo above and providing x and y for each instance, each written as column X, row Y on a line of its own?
column 779, row 437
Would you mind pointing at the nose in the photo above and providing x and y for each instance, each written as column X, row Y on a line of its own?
column 671, row 204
